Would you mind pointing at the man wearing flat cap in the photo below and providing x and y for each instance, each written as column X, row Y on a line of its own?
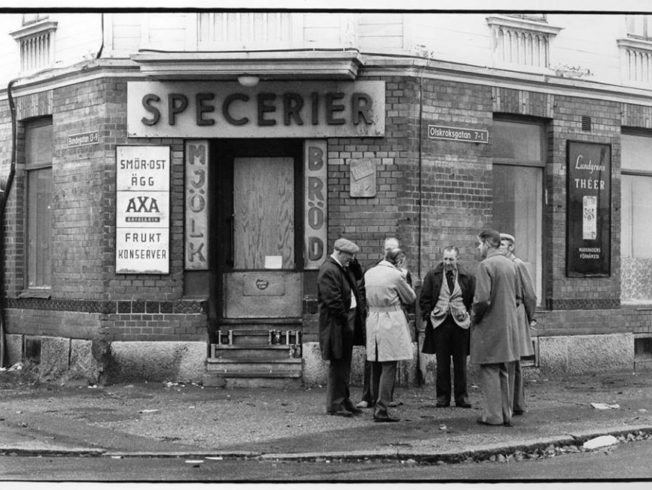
column 341, row 309
column 527, row 303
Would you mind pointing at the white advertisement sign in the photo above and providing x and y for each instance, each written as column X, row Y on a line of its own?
column 142, row 209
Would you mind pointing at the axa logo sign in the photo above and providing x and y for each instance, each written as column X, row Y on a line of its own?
column 147, row 205
column 142, row 204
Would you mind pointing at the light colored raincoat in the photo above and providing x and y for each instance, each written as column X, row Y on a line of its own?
column 388, row 333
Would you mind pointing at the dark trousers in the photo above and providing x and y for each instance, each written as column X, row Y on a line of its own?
column 386, row 385
column 497, row 381
column 371, row 382
column 339, row 372
column 451, row 341
column 519, row 393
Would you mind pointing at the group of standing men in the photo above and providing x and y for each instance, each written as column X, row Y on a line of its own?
column 487, row 316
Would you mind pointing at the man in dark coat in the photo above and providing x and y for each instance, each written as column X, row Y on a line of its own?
column 340, row 304
column 445, row 303
column 494, row 324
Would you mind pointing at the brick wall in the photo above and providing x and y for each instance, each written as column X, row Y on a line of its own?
column 452, row 179
column 457, row 180
column 83, row 236
column 585, row 293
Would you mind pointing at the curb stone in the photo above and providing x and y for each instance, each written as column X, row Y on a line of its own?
column 477, row 453
column 457, row 456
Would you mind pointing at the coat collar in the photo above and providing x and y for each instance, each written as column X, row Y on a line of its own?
column 439, row 269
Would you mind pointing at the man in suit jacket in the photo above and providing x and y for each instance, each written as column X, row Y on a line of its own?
column 494, row 327
column 340, row 303
column 445, row 303
column 526, row 310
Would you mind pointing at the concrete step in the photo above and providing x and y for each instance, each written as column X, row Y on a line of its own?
column 255, row 368
column 214, row 379
column 244, row 352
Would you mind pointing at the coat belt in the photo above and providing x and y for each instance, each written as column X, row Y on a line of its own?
column 385, row 308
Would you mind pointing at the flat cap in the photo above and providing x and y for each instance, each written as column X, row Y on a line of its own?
column 507, row 236
column 344, row 245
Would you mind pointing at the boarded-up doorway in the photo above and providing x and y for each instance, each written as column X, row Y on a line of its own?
column 263, row 213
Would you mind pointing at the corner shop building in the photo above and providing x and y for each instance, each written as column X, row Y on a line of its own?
column 166, row 226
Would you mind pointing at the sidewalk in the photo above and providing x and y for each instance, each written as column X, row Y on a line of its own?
column 170, row 419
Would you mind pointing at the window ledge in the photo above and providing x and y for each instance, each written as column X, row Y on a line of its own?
column 36, row 293
column 641, row 44
column 33, row 29
column 523, row 24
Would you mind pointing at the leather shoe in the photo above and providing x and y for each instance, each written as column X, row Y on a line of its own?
column 442, row 405
column 341, row 413
column 354, row 410
column 518, row 412
column 385, row 418
column 484, row 422
column 463, row 405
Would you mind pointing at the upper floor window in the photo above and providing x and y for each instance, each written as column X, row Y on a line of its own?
column 639, row 26
column 530, row 16
column 32, row 18
column 521, row 42
column 36, row 43
column 246, row 30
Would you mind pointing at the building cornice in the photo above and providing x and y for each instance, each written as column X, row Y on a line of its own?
column 371, row 66
column 271, row 65
column 543, row 83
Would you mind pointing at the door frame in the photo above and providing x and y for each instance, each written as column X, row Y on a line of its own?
column 222, row 154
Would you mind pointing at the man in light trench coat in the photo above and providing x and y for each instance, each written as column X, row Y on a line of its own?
column 388, row 334
column 494, row 338
column 526, row 310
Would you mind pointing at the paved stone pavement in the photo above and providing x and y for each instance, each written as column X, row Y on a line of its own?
column 173, row 419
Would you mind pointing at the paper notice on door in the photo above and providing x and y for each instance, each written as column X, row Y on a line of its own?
column 273, row 261
column 590, row 218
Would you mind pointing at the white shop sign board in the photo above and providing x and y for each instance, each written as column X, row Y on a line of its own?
column 142, row 209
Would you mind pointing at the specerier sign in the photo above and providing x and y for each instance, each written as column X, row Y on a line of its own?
column 269, row 110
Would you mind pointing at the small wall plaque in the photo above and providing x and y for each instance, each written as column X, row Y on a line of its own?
column 363, row 178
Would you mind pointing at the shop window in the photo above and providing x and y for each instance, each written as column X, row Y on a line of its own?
column 636, row 209
column 38, row 166
column 519, row 159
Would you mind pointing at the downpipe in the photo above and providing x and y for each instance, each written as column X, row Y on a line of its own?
column 5, row 188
